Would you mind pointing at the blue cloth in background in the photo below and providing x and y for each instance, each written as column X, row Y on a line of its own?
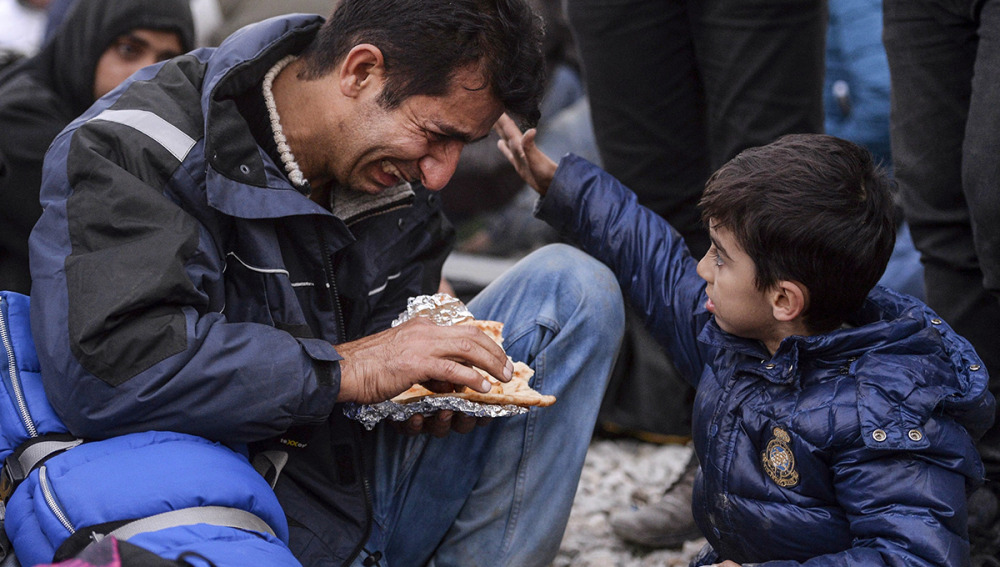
column 856, row 103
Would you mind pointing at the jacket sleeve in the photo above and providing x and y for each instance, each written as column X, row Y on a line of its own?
column 120, row 307
column 650, row 259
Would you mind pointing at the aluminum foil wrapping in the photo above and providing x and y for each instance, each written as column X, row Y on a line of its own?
column 442, row 309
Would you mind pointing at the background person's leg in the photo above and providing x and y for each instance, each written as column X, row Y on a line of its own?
column 647, row 103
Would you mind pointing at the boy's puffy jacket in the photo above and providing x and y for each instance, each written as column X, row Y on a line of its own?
column 853, row 447
column 187, row 492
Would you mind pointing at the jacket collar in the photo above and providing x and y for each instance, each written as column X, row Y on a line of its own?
column 885, row 318
column 243, row 180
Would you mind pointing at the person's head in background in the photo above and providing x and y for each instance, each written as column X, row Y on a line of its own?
column 801, row 230
column 106, row 41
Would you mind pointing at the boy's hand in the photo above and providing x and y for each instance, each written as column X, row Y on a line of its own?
column 531, row 164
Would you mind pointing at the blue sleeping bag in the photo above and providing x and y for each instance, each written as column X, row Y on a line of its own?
column 166, row 492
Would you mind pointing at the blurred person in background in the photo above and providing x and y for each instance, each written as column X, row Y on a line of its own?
column 676, row 89
column 99, row 45
column 944, row 62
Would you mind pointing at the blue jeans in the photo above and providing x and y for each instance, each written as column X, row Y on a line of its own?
column 944, row 60
column 501, row 495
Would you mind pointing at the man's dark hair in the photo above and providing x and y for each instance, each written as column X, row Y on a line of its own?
column 425, row 42
column 808, row 208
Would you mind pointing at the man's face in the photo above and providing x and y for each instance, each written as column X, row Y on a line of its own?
column 739, row 307
column 420, row 140
column 131, row 52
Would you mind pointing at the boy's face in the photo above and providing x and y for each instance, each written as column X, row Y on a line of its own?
column 739, row 307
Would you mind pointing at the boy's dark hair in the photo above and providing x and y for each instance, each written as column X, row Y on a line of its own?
column 808, row 208
column 425, row 42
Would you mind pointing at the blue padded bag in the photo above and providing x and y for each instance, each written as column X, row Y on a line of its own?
column 100, row 485
column 25, row 412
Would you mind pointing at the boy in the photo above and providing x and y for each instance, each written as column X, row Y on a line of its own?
column 834, row 421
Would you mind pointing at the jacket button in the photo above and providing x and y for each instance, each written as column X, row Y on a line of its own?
column 714, row 430
column 974, row 367
column 245, row 169
column 915, row 435
column 399, row 223
column 935, row 321
column 878, row 435
column 770, row 366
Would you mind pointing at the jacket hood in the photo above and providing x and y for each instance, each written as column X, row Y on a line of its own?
column 68, row 61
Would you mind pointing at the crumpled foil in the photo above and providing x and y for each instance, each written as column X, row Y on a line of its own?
column 442, row 309
column 370, row 414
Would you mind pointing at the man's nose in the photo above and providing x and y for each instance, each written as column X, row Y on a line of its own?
column 437, row 167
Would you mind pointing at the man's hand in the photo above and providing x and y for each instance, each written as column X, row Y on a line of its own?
column 380, row 366
column 531, row 164
column 442, row 423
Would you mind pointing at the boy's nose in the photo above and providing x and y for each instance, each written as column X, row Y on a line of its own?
column 704, row 269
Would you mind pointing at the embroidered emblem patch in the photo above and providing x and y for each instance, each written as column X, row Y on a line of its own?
column 778, row 460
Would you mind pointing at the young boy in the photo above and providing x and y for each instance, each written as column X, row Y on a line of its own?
column 834, row 421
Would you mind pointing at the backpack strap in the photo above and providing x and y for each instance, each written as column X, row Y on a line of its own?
column 222, row 516
column 215, row 515
column 32, row 453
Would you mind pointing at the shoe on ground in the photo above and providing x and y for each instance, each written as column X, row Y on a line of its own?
column 666, row 523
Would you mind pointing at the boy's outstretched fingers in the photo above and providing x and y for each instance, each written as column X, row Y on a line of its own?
column 534, row 167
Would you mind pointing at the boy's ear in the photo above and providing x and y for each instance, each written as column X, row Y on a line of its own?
column 789, row 300
column 362, row 66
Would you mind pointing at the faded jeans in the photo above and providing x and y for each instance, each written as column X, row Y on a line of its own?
column 501, row 495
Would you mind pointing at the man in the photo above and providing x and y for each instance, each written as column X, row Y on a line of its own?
column 945, row 130
column 101, row 44
column 227, row 238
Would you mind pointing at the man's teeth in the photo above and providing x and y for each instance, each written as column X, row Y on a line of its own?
column 391, row 169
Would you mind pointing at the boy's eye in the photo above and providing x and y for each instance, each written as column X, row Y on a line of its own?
column 716, row 257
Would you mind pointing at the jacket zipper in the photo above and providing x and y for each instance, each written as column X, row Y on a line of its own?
column 22, row 404
column 331, row 283
column 50, row 499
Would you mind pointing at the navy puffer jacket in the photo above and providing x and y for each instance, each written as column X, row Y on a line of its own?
column 854, row 447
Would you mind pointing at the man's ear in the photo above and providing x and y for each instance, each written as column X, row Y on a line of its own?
column 362, row 66
column 789, row 300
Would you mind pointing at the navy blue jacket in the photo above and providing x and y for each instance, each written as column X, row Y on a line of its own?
column 181, row 283
column 853, row 447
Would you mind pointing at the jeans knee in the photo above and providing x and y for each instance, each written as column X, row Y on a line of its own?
column 593, row 284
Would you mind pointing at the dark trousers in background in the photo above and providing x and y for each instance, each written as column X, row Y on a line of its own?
column 679, row 87
column 944, row 58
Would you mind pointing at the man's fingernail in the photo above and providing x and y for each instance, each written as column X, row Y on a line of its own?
column 485, row 386
column 508, row 370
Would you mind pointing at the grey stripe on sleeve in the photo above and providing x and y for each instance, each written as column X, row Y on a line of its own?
column 166, row 134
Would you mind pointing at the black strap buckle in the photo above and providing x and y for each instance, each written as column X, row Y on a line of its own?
column 10, row 477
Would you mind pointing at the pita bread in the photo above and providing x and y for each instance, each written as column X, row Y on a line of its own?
column 516, row 392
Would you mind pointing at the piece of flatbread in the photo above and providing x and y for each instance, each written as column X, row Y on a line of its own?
column 516, row 392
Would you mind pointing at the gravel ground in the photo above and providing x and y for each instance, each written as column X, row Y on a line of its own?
column 618, row 474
